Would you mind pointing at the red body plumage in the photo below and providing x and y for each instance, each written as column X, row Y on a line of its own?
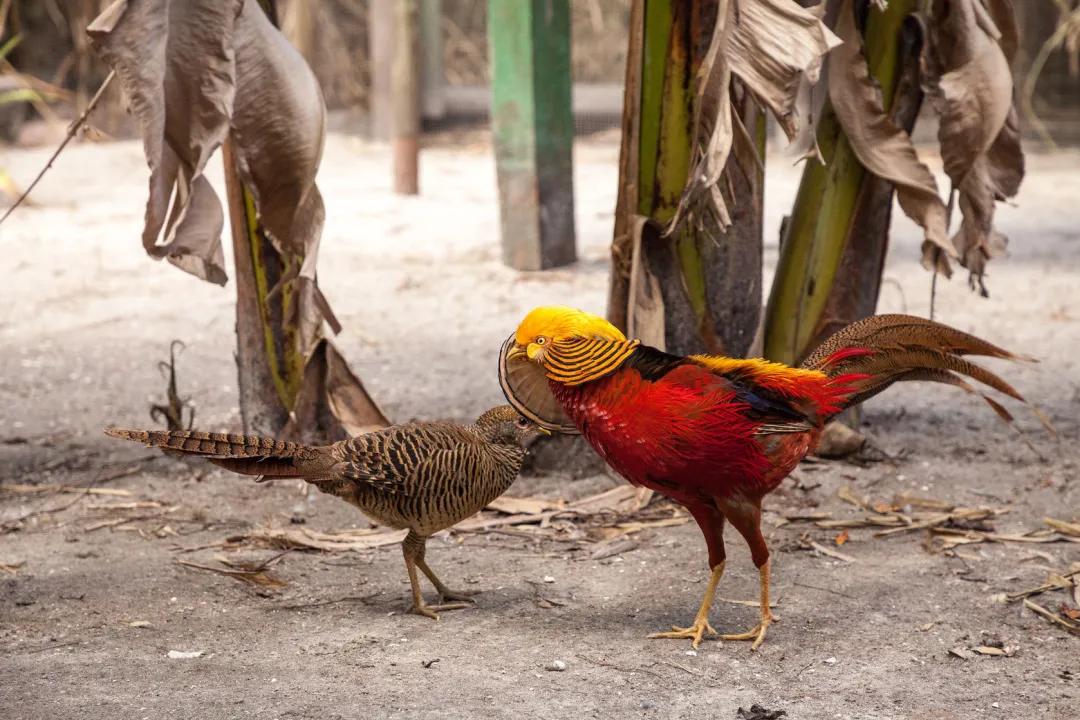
column 692, row 432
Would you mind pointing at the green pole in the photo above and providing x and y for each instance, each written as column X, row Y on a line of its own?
column 533, row 128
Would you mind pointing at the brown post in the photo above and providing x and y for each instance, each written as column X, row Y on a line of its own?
column 381, row 47
column 405, row 92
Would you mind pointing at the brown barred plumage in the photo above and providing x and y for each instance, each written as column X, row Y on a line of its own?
column 423, row 476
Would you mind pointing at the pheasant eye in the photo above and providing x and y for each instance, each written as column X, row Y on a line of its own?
column 522, row 422
column 541, row 340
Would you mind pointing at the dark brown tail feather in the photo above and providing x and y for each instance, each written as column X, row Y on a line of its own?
column 244, row 454
column 904, row 348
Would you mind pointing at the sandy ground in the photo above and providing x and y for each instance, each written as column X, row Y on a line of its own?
column 87, row 619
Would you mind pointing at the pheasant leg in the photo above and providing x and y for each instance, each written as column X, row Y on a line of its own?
column 701, row 620
column 411, row 548
column 444, row 592
column 757, row 634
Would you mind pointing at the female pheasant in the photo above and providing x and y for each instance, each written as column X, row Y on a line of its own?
column 422, row 476
column 717, row 434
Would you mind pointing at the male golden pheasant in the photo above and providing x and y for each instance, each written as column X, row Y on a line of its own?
column 717, row 434
column 423, row 476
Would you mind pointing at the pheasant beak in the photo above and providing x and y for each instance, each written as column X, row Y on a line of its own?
column 543, row 430
column 516, row 352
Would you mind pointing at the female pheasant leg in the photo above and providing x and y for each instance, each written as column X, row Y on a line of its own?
column 444, row 592
column 412, row 548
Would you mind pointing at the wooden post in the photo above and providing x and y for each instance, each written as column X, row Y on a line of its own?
column 381, row 46
column 405, row 81
column 432, row 80
column 533, row 127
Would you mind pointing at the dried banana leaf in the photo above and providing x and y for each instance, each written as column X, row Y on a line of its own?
column 198, row 73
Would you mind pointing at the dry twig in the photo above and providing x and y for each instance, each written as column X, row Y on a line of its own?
column 72, row 130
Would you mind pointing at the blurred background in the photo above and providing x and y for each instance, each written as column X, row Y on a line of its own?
column 54, row 58
column 445, row 222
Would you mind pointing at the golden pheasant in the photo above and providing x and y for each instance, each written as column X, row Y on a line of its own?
column 717, row 434
column 423, row 476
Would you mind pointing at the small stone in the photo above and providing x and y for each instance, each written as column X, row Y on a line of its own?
column 549, row 579
column 555, row 666
column 184, row 654
column 830, row 660
column 995, row 705
column 692, row 653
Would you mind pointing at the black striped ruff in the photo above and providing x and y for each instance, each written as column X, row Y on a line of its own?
column 580, row 360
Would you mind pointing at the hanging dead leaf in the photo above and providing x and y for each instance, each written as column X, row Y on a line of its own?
column 772, row 46
column 645, row 311
column 883, row 148
column 195, row 74
column 968, row 78
column 175, row 62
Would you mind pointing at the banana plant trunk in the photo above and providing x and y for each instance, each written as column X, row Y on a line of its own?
column 700, row 287
column 833, row 245
column 269, row 364
column 273, row 367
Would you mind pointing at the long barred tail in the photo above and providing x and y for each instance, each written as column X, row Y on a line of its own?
column 884, row 349
column 245, row 454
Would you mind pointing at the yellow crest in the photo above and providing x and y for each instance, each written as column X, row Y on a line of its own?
column 557, row 322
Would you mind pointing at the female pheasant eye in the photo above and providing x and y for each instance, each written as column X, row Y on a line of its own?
column 522, row 422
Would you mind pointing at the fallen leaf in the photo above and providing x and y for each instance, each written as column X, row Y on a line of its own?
column 988, row 650
column 841, row 538
column 831, row 553
column 12, row 568
column 845, row 494
column 522, row 505
column 613, row 547
column 962, row 653
column 1066, row 528
column 364, row 539
column 124, row 505
column 35, row 489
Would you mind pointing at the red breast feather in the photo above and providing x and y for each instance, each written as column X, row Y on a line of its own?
column 685, row 431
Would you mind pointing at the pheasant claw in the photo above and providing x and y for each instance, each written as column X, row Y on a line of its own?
column 694, row 633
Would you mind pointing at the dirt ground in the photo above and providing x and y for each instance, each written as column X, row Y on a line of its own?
column 88, row 616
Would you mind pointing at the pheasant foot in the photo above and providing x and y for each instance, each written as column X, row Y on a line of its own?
column 432, row 611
